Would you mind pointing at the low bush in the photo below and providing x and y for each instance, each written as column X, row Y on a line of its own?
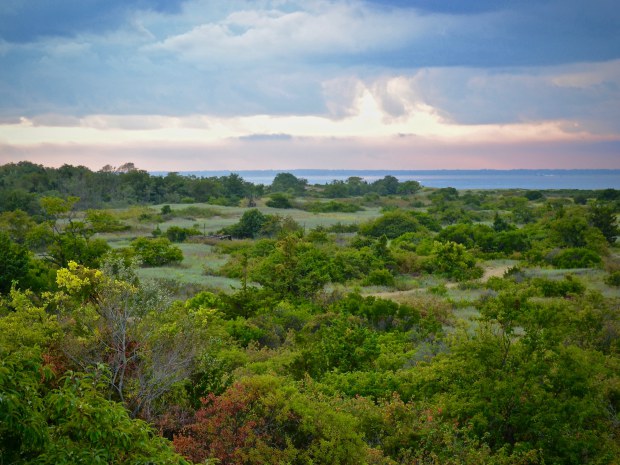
column 178, row 234
column 576, row 257
column 156, row 252
column 559, row 288
column 331, row 206
column 613, row 279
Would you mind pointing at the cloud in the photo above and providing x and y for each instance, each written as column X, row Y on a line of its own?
column 587, row 93
column 400, row 34
column 264, row 137
column 198, row 70
column 366, row 117
column 28, row 20
column 322, row 29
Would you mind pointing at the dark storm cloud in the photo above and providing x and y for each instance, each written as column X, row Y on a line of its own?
column 509, row 33
column 28, row 20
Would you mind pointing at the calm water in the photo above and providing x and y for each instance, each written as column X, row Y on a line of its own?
column 460, row 179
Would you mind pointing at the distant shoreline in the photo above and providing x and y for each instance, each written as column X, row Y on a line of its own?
column 591, row 179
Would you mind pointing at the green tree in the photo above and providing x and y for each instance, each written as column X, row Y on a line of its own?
column 23, row 428
column 521, row 384
column 17, row 224
column 72, row 424
column 147, row 344
column 356, row 186
column 533, row 195
column 342, row 343
column 388, row 185
column 19, row 199
column 25, row 323
column 288, row 183
column 234, row 187
column 603, row 217
column 276, row 226
column 575, row 257
column 500, row 224
column 409, row 187
column 14, row 262
column 295, row 269
column 570, row 228
column 104, row 221
column 454, row 261
column 337, row 189
column 63, row 237
column 445, row 194
column 136, row 184
column 249, row 226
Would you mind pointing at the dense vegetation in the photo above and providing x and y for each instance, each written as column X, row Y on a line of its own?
column 367, row 323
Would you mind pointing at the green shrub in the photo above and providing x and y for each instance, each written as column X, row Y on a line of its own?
column 147, row 216
column 249, row 226
column 14, row 262
column 381, row 277
column 576, row 257
column 560, row 288
column 439, row 289
column 382, row 314
column 343, row 343
column 244, row 331
column 196, row 211
column 533, row 195
column 279, row 200
column 613, row 279
column 391, row 224
column 156, row 252
column 178, row 234
column 341, row 228
column 452, row 260
column 103, row 221
column 332, row 206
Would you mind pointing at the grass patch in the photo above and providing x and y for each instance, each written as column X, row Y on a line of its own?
column 185, row 276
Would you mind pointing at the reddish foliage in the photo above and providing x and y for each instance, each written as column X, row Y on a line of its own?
column 172, row 421
column 225, row 428
column 56, row 361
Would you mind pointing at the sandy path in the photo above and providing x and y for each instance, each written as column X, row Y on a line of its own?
column 489, row 272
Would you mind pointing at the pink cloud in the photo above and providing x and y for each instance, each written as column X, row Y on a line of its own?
column 407, row 152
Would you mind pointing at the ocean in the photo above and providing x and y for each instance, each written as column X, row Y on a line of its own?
column 459, row 179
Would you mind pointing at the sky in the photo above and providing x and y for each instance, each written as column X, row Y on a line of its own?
column 177, row 85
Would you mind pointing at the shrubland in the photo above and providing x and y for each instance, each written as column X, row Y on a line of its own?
column 441, row 327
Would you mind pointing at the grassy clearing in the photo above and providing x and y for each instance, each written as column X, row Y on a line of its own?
column 594, row 279
column 309, row 220
column 226, row 216
column 188, row 276
column 211, row 218
column 197, row 257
